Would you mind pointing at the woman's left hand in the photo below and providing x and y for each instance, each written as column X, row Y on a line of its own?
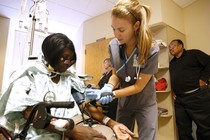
column 105, row 100
column 122, row 132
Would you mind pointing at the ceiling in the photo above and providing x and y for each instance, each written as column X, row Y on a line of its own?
column 70, row 12
column 184, row 3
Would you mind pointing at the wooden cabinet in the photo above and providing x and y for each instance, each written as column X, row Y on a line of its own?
column 95, row 53
column 166, row 123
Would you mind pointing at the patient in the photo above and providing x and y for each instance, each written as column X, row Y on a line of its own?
column 50, row 78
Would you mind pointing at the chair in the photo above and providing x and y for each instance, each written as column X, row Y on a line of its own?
column 41, row 121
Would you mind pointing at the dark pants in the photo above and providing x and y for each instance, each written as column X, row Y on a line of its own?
column 193, row 107
column 110, row 109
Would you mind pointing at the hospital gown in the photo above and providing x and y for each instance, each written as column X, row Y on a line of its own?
column 27, row 87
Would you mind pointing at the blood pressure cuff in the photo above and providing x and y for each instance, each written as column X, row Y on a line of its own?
column 78, row 96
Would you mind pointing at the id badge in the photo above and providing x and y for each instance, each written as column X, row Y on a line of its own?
column 135, row 60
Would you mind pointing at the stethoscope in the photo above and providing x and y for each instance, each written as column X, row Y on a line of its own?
column 135, row 64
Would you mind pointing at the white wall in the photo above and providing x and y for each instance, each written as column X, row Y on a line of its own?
column 17, row 51
column 80, row 51
column 9, row 52
column 162, row 11
column 197, row 25
column 156, row 14
column 172, row 15
column 97, row 27
column 16, row 56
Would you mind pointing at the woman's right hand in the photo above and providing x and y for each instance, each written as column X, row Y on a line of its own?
column 80, row 132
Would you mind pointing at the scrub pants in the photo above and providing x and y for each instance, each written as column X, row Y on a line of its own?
column 146, row 117
column 193, row 107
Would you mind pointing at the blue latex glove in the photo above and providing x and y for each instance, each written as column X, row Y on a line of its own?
column 92, row 94
column 96, row 94
column 105, row 99
column 107, row 89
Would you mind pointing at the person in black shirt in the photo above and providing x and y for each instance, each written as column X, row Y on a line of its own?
column 190, row 73
column 107, row 73
column 109, row 109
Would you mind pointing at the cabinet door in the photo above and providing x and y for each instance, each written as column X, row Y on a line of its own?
column 95, row 53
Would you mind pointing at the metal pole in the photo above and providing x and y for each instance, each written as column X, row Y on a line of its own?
column 32, row 29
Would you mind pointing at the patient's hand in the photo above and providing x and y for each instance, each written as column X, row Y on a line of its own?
column 122, row 132
column 202, row 83
column 80, row 132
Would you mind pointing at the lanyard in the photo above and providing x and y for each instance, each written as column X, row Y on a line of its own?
column 128, row 78
column 126, row 60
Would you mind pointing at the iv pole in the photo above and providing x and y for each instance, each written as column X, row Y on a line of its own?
column 32, row 30
column 37, row 3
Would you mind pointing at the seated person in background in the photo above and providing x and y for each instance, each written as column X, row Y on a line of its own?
column 33, row 82
column 107, row 73
column 109, row 109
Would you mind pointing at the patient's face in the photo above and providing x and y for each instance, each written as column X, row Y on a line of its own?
column 65, row 60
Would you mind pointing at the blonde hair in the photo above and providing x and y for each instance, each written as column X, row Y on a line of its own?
column 133, row 11
column 109, row 62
